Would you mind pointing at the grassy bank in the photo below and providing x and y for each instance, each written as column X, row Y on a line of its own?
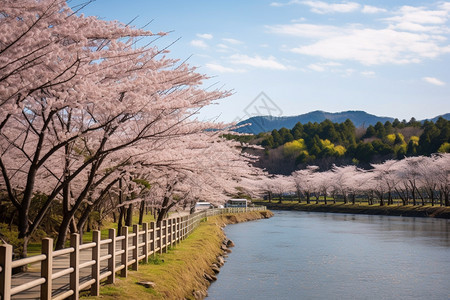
column 391, row 210
column 179, row 272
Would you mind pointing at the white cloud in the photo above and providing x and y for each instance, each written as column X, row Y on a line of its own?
column 321, row 7
column 232, row 41
column 373, row 47
column 412, row 35
column 369, row 9
column 199, row 44
column 368, row 73
column 280, row 4
column 206, row 36
column 299, row 20
column 445, row 6
column 420, row 15
column 306, row 30
column 257, row 62
column 224, row 48
column 433, row 80
column 316, row 67
column 222, row 69
column 408, row 26
column 321, row 67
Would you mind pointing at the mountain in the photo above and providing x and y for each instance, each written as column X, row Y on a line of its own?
column 269, row 123
column 445, row 116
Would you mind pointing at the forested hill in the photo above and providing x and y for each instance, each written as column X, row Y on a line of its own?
column 359, row 118
column 326, row 143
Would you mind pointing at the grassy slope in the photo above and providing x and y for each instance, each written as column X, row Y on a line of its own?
column 391, row 210
column 180, row 271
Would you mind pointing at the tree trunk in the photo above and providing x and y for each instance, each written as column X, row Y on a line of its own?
column 62, row 233
column 162, row 213
column 141, row 212
column 421, row 196
column 432, row 196
column 121, row 217
column 381, row 199
column 129, row 217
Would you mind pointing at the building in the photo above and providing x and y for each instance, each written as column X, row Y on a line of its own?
column 236, row 203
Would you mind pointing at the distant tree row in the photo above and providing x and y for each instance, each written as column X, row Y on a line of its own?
column 417, row 180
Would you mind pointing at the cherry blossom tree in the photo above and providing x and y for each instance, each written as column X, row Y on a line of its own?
column 344, row 181
column 104, row 95
column 303, row 180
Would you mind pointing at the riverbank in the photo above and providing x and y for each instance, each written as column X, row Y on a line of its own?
column 179, row 273
column 391, row 210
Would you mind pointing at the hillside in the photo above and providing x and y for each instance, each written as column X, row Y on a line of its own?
column 326, row 143
column 359, row 118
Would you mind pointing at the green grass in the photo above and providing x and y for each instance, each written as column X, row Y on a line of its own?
column 176, row 273
column 363, row 208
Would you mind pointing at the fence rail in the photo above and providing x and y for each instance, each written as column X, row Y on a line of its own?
column 108, row 256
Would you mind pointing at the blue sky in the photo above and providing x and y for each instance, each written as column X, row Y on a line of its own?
column 389, row 58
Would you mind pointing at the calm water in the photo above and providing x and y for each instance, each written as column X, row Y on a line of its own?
column 301, row 255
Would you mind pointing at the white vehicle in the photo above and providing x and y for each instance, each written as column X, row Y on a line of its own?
column 203, row 206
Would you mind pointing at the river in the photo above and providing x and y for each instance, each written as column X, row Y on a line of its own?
column 305, row 255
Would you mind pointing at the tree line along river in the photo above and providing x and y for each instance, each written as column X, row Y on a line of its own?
column 308, row 255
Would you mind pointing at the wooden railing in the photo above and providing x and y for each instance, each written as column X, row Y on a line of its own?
column 108, row 256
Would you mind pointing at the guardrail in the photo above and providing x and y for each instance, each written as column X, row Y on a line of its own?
column 106, row 257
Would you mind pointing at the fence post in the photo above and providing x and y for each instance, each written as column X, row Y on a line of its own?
column 145, row 229
column 46, row 268
column 160, row 238
column 136, row 247
column 178, row 229
column 124, row 260
column 189, row 220
column 74, row 263
column 169, row 232
column 152, row 238
column 174, row 231
column 182, row 227
column 165, row 235
column 6, row 272
column 95, row 271
column 112, row 251
column 186, row 226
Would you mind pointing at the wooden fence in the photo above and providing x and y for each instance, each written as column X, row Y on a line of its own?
column 108, row 256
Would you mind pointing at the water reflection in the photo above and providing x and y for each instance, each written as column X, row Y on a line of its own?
column 303, row 255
